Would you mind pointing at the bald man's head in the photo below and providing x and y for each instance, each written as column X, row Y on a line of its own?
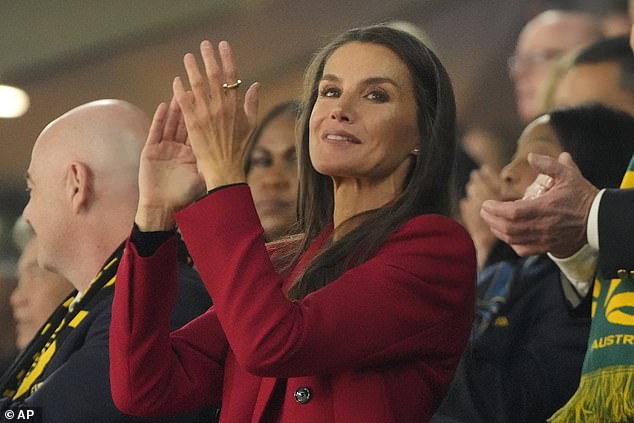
column 105, row 135
column 543, row 39
column 83, row 177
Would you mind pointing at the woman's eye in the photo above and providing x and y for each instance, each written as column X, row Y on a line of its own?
column 329, row 92
column 378, row 96
column 260, row 161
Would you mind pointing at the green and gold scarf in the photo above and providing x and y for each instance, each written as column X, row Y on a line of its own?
column 606, row 389
column 24, row 375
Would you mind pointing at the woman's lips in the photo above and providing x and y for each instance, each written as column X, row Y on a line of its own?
column 340, row 137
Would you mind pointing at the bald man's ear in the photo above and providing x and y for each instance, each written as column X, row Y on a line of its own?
column 78, row 186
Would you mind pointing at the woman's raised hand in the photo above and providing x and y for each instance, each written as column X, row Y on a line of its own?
column 168, row 176
column 219, row 118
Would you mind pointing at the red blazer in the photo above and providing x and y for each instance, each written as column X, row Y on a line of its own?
column 379, row 344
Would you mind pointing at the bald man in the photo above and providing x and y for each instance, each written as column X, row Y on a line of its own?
column 542, row 40
column 83, row 184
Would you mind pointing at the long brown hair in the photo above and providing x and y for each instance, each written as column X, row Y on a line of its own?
column 427, row 187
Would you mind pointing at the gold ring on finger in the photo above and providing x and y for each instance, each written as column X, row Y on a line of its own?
column 229, row 86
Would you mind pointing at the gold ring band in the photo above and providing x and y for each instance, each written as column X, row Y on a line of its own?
column 231, row 86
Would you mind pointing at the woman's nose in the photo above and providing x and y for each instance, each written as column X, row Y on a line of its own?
column 342, row 110
column 276, row 177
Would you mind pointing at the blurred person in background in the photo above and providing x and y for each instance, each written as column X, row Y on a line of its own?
column 542, row 40
column 38, row 291
column 548, row 90
column 602, row 72
column 484, row 184
column 490, row 150
column 489, row 146
column 590, row 231
column 272, row 170
column 528, row 345
column 8, row 351
column 8, row 281
column 614, row 18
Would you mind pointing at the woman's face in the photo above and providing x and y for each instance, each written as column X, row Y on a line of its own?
column 538, row 137
column 363, row 124
column 273, row 176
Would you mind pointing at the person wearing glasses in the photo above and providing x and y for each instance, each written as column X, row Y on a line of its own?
column 542, row 40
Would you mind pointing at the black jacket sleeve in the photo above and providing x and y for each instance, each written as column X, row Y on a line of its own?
column 616, row 232
column 528, row 362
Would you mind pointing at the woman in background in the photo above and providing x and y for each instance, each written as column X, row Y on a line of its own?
column 272, row 170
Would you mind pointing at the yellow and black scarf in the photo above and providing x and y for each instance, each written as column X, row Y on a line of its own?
column 606, row 389
column 24, row 375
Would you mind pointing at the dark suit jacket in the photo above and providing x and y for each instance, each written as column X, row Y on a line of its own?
column 378, row 344
column 616, row 232
column 76, row 383
column 527, row 364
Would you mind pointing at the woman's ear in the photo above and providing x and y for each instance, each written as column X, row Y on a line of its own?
column 78, row 186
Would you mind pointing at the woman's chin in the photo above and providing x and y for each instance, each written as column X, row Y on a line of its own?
column 335, row 168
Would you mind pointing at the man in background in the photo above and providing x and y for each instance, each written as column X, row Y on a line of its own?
column 602, row 72
column 542, row 40
column 83, row 185
column 590, row 230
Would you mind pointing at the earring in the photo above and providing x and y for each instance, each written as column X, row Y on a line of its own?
column 416, row 151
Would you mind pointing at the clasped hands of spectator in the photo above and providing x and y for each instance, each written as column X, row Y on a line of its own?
column 554, row 221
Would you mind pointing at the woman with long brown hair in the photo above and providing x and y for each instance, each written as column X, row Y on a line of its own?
column 361, row 318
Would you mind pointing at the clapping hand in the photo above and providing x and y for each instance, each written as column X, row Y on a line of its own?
column 168, row 175
column 484, row 184
column 554, row 221
column 219, row 117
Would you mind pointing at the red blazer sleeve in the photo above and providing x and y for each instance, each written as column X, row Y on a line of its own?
column 413, row 300
column 154, row 372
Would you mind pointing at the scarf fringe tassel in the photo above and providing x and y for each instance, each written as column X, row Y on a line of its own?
column 605, row 395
